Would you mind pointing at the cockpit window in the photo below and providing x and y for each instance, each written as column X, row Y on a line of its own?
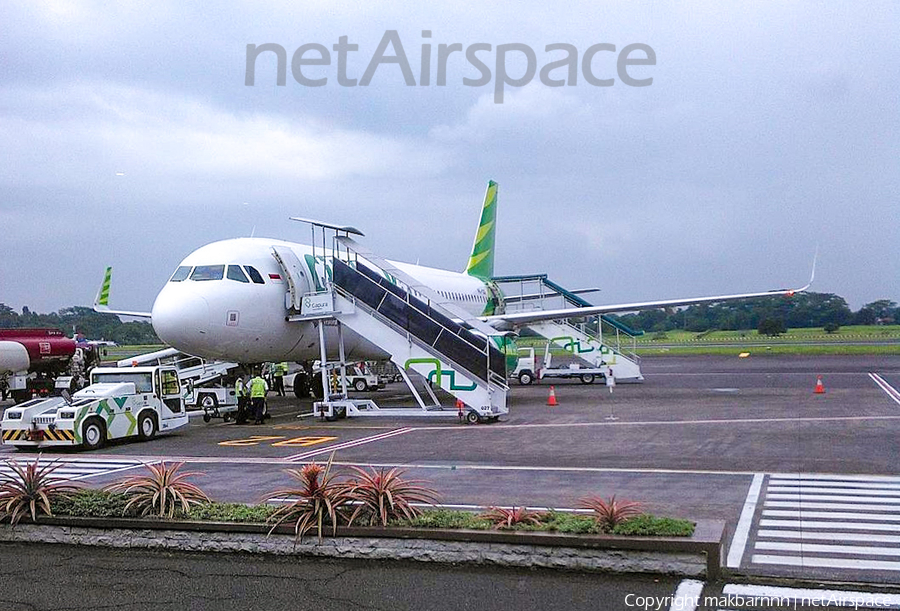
column 254, row 275
column 181, row 273
column 236, row 273
column 208, row 272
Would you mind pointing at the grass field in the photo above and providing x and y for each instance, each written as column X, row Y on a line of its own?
column 813, row 334
column 884, row 339
column 111, row 354
column 847, row 340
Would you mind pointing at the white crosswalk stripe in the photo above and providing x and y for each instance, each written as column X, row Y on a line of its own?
column 75, row 468
column 829, row 521
column 780, row 597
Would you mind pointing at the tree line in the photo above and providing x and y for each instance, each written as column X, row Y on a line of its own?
column 766, row 314
column 81, row 320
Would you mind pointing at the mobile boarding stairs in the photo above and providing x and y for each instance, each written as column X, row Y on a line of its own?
column 585, row 340
column 418, row 328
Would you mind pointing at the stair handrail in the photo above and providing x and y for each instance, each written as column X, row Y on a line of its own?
column 422, row 343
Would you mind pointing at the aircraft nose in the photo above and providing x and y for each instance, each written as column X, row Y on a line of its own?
column 181, row 318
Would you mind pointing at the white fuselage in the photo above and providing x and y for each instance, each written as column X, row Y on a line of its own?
column 227, row 301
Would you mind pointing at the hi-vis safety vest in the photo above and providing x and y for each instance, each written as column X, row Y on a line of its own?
column 257, row 387
column 239, row 389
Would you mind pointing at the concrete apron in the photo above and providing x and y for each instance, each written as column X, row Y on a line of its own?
column 696, row 556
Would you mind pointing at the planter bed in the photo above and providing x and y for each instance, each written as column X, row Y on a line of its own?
column 695, row 556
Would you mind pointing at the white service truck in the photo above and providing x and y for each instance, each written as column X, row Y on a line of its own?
column 527, row 369
column 120, row 402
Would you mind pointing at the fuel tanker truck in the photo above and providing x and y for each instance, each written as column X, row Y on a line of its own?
column 31, row 361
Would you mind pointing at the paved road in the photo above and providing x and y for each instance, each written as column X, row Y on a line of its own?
column 48, row 577
column 690, row 442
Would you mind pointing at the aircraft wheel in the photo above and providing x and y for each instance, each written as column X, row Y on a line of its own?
column 587, row 378
column 525, row 378
column 93, row 434
column 473, row 417
column 146, row 426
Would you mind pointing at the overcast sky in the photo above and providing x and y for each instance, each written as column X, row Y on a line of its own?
column 129, row 138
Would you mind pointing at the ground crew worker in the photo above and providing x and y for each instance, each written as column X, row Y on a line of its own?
column 280, row 371
column 258, row 390
column 243, row 396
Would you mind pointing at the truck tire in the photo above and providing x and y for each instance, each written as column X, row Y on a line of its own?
column 93, row 434
column 473, row 417
column 587, row 378
column 526, row 378
column 360, row 385
column 147, row 426
column 209, row 401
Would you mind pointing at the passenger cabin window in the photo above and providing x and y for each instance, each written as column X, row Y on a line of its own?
column 181, row 273
column 236, row 273
column 254, row 275
column 208, row 272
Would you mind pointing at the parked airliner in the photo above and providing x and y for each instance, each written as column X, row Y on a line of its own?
column 229, row 299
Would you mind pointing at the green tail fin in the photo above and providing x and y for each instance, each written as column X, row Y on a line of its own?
column 102, row 299
column 481, row 262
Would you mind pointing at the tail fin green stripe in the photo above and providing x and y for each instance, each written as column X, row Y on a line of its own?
column 103, row 295
column 481, row 261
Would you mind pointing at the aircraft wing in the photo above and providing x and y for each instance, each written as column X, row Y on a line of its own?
column 101, row 301
column 523, row 318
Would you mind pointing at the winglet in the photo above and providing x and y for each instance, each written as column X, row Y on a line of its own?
column 481, row 261
column 812, row 276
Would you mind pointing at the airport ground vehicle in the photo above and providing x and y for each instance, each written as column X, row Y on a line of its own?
column 206, row 385
column 34, row 361
column 359, row 377
column 133, row 402
column 527, row 369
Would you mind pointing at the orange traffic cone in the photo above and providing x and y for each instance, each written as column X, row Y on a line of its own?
column 551, row 401
column 820, row 388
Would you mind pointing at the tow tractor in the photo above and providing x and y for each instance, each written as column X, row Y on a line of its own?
column 134, row 402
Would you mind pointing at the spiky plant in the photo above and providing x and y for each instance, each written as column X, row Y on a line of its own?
column 30, row 490
column 381, row 495
column 318, row 500
column 161, row 492
column 502, row 517
column 610, row 512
